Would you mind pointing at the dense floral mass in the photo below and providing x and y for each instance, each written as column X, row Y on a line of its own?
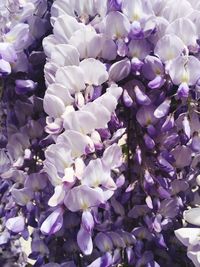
column 100, row 133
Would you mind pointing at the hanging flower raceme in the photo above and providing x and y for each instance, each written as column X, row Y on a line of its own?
column 79, row 113
column 22, row 122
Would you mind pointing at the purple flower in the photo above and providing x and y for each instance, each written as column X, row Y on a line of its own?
column 83, row 197
column 53, row 222
column 93, row 178
column 15, row 224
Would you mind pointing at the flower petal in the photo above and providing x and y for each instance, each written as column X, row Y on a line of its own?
column 94, row 71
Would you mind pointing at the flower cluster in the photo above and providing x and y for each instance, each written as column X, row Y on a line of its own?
column 100, row 136
column 22, row 122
